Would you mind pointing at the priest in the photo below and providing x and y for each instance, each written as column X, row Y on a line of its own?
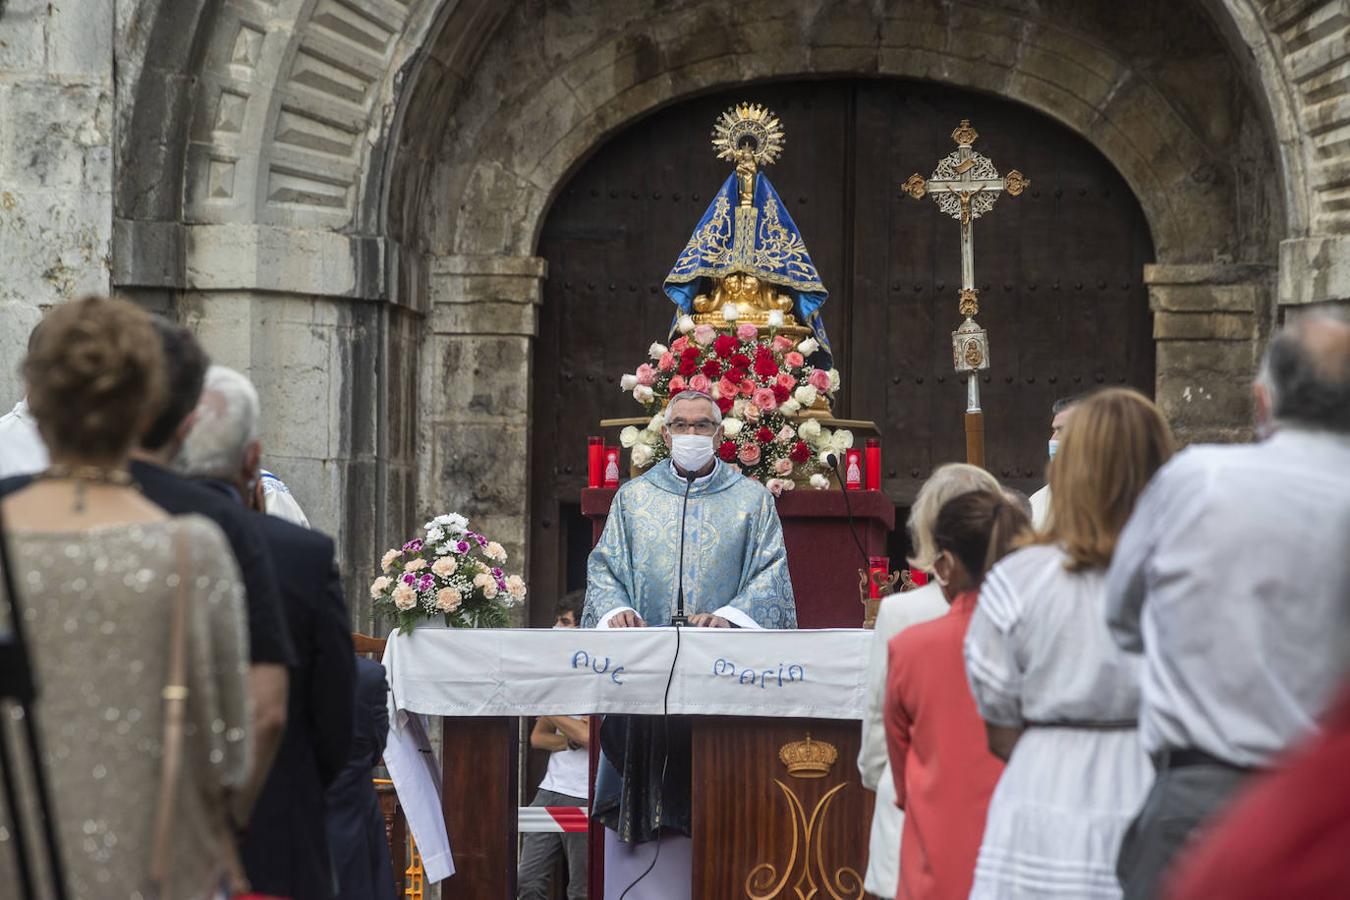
column 734, row 574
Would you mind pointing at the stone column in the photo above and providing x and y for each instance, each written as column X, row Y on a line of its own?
column 56, row 164
column 476, row 393
column 1209, row 323
column 1315, row 270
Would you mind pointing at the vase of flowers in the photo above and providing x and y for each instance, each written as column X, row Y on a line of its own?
column 769, row 394
column 450, row 575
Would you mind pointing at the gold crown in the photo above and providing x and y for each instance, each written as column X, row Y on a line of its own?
column 808, row 758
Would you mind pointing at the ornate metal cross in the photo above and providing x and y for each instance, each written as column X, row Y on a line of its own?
column 965, row 185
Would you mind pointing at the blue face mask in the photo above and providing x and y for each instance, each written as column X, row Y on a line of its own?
column 1054, row 447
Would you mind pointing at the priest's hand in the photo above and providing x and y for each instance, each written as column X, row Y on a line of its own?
column 708, row 620
column 627, row 619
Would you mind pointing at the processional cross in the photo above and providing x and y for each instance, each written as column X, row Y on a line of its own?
column 965, row 186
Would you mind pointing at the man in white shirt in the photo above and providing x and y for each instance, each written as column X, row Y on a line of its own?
column 566, row 783
column 1059, row 418
column 1233, row 579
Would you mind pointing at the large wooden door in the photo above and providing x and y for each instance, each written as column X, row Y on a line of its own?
column 1059, row 268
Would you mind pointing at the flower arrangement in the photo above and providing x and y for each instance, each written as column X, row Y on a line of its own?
column 451, row 572
column 763, row 383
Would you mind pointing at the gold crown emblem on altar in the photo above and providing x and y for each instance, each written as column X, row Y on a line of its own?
column 808, row 758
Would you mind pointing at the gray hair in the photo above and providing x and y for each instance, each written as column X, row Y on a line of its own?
column 226, row 425
column 947, row 481
column 696, row 395
column 1306, row 372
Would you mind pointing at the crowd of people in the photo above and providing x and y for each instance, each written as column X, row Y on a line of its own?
column 1125, row 694
column 205, row 725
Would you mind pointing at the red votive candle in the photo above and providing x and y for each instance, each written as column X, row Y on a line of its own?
column 853, row 477
column 595, row 461
column 878, row 568
column 873, row 464
column 918, row 576
column 611, row 467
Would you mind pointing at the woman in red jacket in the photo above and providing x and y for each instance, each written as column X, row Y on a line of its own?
column 944, row 772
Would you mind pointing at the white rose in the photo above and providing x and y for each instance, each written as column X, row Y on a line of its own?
column 715, row 392
column 732, row 427
column 730, row 313
column 628, row 437
column 789, row 407
column 824, row 457
column 685, row 325
column 819, row 482
column 649, row 438
column 738, row 408
column 657, row 350
column 775, row 318
column 808, row 346
column 628, row 382
column 805, row 395
column 834, row 380
column 657, row 423
column 841, row 440
column 809, row 431
column 643, row 394
column 642, row 455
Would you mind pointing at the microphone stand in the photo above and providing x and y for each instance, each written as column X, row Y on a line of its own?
column 680, row 618
column 833, row 460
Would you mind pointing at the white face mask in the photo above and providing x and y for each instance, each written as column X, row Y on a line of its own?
column 1054, row 447
column 691, row 452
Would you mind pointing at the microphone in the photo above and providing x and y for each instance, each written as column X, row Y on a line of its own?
column 680, row 618
column 832, row 460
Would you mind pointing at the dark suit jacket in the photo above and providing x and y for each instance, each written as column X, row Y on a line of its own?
column 355, row 824
column 269, row 638
column 285, row 849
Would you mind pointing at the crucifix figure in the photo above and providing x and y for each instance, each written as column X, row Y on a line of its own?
column 965, row 186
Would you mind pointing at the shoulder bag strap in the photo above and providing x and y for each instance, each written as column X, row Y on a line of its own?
column 175, row 696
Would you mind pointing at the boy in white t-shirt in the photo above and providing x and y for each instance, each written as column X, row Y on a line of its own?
column 565, row 783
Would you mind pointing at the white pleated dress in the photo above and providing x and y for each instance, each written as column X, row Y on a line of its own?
column 1039, row 657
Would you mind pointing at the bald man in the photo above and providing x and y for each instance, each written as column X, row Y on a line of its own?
column 1232, row 579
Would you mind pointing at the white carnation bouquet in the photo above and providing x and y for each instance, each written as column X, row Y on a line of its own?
column 450, row 572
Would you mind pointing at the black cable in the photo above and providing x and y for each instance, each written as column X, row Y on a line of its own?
column 665, row 761
column 833, row 460
column 680, row 618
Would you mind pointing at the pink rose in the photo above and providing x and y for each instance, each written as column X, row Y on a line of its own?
column 727, row 388
column 775, row 486
column 786, row 434
column 749, row 454
column 751, row 412
column 782, row 344
column 787, row 381
column 677, row 384
column 678, row 345
column 704, row 334
column 783, row 467
column 764, row 399
column 794, row 360
column 747, row 332
column 647, row 375
column 700, row 383
column 667, row 362
column 819, row 379
column 747, row 387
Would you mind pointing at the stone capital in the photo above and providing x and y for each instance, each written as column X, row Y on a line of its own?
column 1314, row 270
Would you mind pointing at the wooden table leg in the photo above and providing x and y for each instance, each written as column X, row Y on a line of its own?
column 478, row 791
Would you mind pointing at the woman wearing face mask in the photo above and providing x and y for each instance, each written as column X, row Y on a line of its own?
column 943, row 773
column 1050, row 681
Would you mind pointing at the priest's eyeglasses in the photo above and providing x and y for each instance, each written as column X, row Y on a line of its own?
column 704, row 427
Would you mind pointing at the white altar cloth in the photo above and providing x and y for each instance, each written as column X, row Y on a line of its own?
column 818, row 674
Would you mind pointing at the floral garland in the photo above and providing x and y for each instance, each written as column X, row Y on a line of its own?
column 762, row 382
column 451, row 572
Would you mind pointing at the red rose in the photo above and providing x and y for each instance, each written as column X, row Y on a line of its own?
column 688, row 367
column 764, row 364
column 781, row 393
column 727, row 451
column 712, row 370
column 800, row 453
column 764, row 435
column 725, row 403
column 690, row 353
column 739, row 361
column 738, row 375
column 725, row 345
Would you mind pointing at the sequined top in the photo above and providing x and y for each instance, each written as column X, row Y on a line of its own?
column 97, row 607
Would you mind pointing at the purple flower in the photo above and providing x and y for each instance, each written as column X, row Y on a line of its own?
column 410, row 578
column 414, row 545
column 425, row 583
column 497, row 573
column 462, row 547
column 482, row 541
